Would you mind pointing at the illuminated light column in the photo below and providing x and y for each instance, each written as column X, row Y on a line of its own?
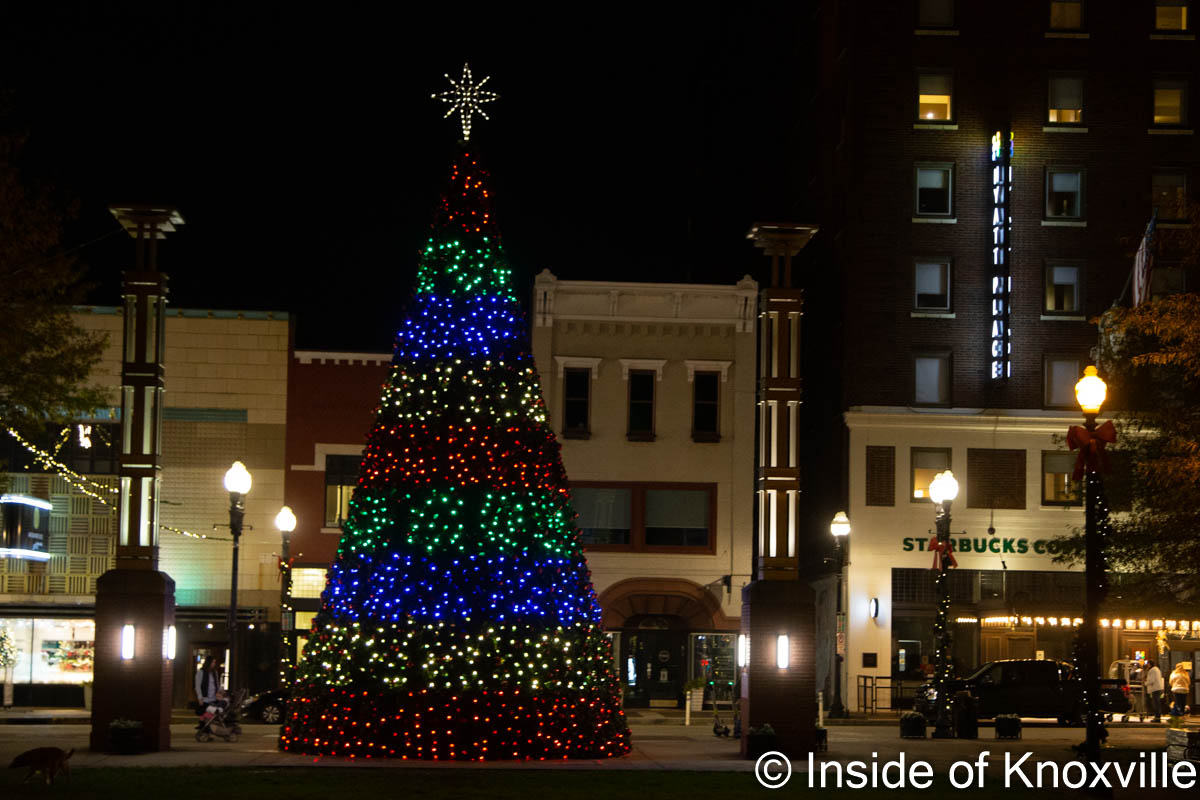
column 1001, row 249
column 778, row 679
column 135, row 603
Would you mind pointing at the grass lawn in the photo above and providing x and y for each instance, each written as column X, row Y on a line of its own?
column 417, row 784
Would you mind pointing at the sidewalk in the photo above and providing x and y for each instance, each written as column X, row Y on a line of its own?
column 25, row 715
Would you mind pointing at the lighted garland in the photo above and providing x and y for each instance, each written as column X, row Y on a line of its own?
column 459, row 619
column 106, row 495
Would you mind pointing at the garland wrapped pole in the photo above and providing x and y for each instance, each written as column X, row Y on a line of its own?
column 1090, row 441
column 942, row 490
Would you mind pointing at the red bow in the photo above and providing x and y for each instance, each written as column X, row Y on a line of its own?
column 1091, row 448
column 281, row 562
column 943, row 550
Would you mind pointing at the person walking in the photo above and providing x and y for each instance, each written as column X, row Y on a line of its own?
column 1181, row 684
column 1153, row 681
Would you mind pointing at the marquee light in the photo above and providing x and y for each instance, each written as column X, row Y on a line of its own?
column 1001, row 245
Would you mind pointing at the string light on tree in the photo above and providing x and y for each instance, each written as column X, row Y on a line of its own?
column 459, row 619
column 466, row 99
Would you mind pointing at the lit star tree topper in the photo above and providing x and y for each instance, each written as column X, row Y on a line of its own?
column 467, row 99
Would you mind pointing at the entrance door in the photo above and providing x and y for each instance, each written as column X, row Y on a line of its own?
column 653, row 667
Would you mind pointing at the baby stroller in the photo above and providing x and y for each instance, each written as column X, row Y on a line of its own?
column 219, row 719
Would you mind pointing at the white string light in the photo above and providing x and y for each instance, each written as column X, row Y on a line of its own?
column 466, row 98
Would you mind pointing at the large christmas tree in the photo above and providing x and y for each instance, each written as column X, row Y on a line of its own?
column 459, row 619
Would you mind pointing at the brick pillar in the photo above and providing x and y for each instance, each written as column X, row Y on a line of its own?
column 138, row 688
column 786, row 699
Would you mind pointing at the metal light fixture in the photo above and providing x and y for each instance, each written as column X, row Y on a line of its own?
column 237, row 483
column 873, row 608
column 840, row 528
column 943, row 488
column 285, row 520
column 1090, row 391
column 237, row 479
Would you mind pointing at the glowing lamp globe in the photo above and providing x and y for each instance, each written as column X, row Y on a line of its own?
column 841, row 525
column 285, row 520
column 1090, row 391
column 237, row 479
column 943, row 488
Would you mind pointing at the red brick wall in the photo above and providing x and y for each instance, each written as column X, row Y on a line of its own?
column 331, row 403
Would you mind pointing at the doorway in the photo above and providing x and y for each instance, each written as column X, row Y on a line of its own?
column 653, row 664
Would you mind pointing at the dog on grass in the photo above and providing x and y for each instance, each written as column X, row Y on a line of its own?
column 47, row 760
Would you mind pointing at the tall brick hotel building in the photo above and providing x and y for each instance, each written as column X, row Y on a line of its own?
column 988, row 172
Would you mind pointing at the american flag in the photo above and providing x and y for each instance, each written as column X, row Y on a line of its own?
column 1143, row 266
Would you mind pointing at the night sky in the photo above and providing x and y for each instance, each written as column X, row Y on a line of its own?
column 302, row 147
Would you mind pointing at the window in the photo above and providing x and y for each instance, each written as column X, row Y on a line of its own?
column 1066, row 99
column 927, row 462
column 89, row 448
column 1057, row 487
column 308, row 582
column 706, row 421
column 935, row 13
column 1170, row 102
column 641, row 405
column 1064, row 193
column 605, row 515
column 932, row 379
column 932, row 282
column 935, row 91
column 1063, row 294
column 1171, row 15
column 995, row 478
column 576, row 392
column 341, row 476
column 1165, row 280
column 1062, row 373
column 881, row 475
column 934, row 189
column 1169, row 190
column 654, row 517
column 1066, row 15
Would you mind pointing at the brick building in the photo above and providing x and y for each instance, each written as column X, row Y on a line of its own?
column 987, row 175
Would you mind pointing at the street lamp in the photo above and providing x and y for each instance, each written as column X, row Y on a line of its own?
column 1090, row 393
column 285, row 521
column 942, row 490
column 237, row 483
column 840, row 528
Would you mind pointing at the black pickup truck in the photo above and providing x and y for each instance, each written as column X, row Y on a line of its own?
column 1028, row 687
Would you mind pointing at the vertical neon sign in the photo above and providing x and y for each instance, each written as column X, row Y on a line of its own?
column 1001, row 349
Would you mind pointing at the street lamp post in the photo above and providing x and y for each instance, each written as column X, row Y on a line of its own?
column 942, row 490
column 285, row 521
column 1089, row 393
column 840, row 528
column 237, row 483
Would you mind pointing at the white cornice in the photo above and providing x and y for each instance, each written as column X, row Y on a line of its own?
column 963, row 419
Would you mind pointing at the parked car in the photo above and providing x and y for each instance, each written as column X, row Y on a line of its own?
column 1028, row 687
column 268, row 706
